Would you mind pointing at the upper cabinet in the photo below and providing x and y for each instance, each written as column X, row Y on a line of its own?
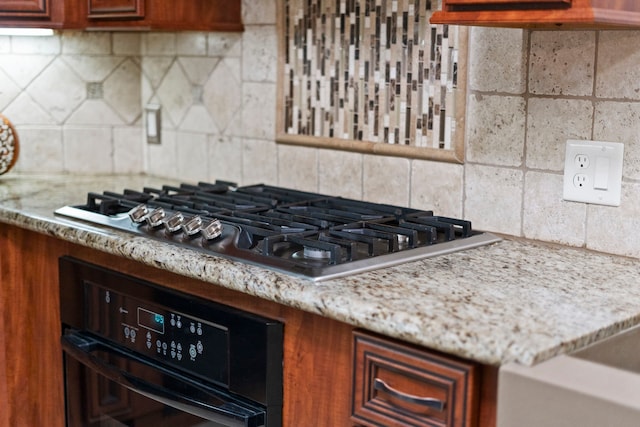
column 192, row 15
column 540, row 13
column 32, row 13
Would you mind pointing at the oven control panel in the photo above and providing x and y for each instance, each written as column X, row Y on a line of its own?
column 192, row 344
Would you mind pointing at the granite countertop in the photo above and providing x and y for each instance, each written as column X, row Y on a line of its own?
column 515, row 300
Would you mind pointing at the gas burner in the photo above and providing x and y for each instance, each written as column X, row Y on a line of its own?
column 306, row 234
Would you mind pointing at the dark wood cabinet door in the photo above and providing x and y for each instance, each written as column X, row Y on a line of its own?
column 116, row 9
column 40, row 9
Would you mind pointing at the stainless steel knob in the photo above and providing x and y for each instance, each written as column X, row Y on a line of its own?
column 156, row 217
column 212, row 230
column 139, row 213
column 174, row 222
column 193, row 226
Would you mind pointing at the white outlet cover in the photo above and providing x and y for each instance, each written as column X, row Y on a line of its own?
column 593, row 172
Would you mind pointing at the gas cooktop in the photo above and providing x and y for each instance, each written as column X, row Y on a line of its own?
column 305, row 234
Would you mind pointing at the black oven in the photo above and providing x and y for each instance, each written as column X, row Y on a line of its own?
column 137, row 354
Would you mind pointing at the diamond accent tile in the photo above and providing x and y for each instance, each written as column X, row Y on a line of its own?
column 93, row 68
column 155, row 68
column 175, row 94
column 198, row 70
column 23, row 68
column 8, row 90
column 122, row 91
column 223, row 94
column 58, row 90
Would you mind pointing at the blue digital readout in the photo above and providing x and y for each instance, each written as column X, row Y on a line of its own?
column 150, row 320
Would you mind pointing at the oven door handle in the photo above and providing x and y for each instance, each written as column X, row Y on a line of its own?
column 201, row 401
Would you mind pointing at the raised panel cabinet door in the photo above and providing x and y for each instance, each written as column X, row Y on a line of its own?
column 116, row 9
column 25, row 9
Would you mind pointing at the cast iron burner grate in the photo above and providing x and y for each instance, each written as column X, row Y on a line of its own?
column 306, row 234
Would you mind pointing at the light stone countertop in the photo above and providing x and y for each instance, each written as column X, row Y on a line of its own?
column 515, row 300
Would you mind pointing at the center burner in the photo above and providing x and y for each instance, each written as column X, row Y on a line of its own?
column 306, row 234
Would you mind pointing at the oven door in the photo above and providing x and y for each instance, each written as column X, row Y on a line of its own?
column 109, row 386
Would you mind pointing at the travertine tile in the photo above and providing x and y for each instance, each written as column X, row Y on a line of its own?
column 546, row 216
column 493, row 198
column 126, row 43
column 620, row 122
column 159, row 44
column 259, row 162
column 162, row 157
column 614, row 229
column 191, row 43
column 198, row 69
column 5, row 45
column 93, row 68
column 58, row 90
column 21, row 69
column 128, row 150
column 340, row 173
column 258, row 112
column 86, row 42
column 197, row 119
column 225, row 158
column 618, row 73
column 155, row 68
column 550, row 123
column 175, row 94
column 222, row 94
column 386, row 179
column 496, row 129
column 562, row 62
column 258, row 12
column 226, row 45
column 259, row 53
column 25, row 111
column 40, row 149
column 192, row 160
column 437, row 186
column 298, row 167
column 36, row 45
column 8, row 91
column 88, row 150
column 497, row 60
column 122, row 91
column 93, row 111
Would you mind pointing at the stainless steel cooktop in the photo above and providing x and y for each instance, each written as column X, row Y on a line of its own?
column 305, row 234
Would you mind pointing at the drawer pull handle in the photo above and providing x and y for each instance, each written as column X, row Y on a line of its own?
column 429, row 402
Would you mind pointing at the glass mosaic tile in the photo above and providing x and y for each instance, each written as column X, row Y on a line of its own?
column 369, row 70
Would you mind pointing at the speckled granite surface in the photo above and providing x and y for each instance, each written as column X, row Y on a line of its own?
column 511, row 301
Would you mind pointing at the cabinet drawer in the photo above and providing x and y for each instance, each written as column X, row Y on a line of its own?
column 396, row 384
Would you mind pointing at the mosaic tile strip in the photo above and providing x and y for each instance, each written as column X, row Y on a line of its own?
column 369, row 70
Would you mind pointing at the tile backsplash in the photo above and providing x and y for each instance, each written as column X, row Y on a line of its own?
column 77, row 98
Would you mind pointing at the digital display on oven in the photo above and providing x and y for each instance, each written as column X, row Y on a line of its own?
column 150, row 320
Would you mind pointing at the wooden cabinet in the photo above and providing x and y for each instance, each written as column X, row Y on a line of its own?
column 556, row 14
column 31, row 13
column 318, row 368
column 399, row 385
column 192, row 15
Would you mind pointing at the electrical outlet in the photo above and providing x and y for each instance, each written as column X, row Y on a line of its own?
column 593, row 172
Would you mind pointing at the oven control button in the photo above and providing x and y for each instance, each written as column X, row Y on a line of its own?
column 193, row 352
column 127, row 331
column 199, row 347
column 192, row 328
column 149, row 345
